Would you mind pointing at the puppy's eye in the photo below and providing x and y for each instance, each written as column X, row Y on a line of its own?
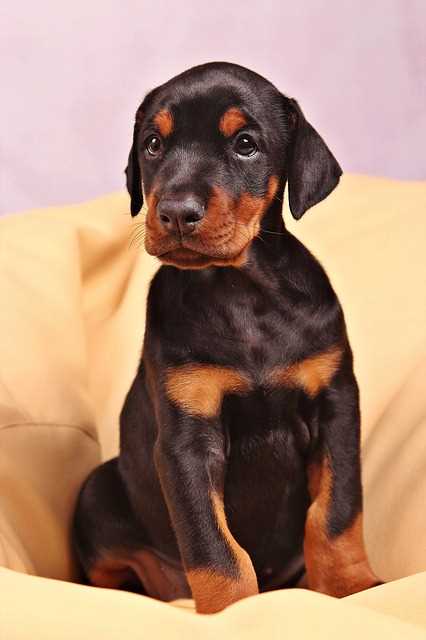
column 153, row 145
column 245, row 145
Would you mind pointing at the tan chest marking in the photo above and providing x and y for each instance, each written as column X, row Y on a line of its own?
column 199, row 389
column 312, row 374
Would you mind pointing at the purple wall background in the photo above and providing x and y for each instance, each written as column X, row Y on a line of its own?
column 74, row 72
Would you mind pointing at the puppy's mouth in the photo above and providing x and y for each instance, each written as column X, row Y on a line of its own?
column 221, row 238
column 186, row 258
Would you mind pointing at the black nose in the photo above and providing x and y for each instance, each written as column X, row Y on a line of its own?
column 180, row 213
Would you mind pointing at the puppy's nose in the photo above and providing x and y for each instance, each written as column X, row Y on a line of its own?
column 180, row 213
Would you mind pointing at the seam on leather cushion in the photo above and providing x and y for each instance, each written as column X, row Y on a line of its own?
column 51, row 424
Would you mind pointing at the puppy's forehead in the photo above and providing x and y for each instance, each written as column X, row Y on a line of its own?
column 187, row 107
column 224, row 106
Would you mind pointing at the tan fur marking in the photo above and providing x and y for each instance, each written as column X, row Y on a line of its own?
column 193, row 260
column 241, row 556
column 273, row 184
column 151, row 201
column 164, row 121
column 225, row 234
column 109, row 576
column 160, row 579
column 312, row 374
column 213, row 591
column 231, row 121
column 199, row 389
column 336, row 566
column 240, row 220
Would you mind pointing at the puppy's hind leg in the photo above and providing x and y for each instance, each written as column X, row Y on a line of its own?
column 106, row 535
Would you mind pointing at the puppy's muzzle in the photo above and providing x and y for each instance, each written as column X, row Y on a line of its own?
column 180, row 215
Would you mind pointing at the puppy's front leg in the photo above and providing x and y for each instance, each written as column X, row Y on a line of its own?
column 190, row 460
column 335, row 556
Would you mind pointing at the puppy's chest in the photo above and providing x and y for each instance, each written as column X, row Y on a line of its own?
column 254, row 333
column 248, row 353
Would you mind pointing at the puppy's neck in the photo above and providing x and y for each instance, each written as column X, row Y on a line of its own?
column 269, row 245
column 272, row 219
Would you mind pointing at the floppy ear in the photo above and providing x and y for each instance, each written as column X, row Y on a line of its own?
column 313, row 171
column 133, row 175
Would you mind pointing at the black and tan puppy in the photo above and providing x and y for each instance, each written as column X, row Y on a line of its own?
column 239, row 465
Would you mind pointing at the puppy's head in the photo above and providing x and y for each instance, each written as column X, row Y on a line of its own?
column 212, row 151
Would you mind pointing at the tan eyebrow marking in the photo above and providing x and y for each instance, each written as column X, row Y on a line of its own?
column 164, row 121
column 232, row 120
column 199, row 388
column 312, row 374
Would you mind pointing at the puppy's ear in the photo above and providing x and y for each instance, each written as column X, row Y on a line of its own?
column 313, row 171
column 133, row 174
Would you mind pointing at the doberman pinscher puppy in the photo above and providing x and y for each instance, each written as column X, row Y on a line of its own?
column 239, row 465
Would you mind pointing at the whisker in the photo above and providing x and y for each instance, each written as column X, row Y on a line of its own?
column 131, row 243
column 246, row 236
column 242, row 228
column 138, row 227
column 260, row 238
column 275, row 233
column 239, row 224
column 138, row 223
column 137, row 237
